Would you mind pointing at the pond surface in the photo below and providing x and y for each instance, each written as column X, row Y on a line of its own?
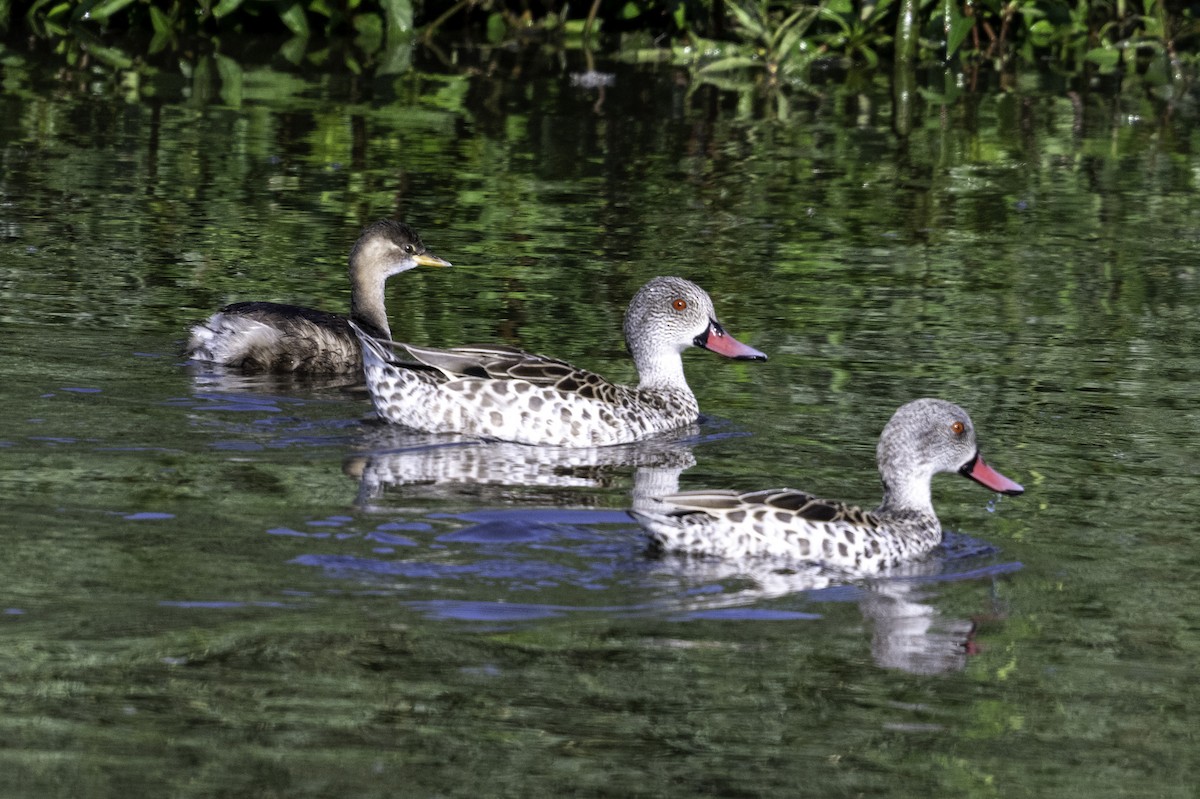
column 225, row 585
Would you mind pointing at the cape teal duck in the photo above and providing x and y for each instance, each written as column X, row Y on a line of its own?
column 511, row 395
column 924, row 437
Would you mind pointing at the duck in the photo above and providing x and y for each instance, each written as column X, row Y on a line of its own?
column 273, row 337
column 924, row 437
column 507, row 394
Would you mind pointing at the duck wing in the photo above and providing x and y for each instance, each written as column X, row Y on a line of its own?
column 508, row 363
column 280, row 315
column 807, row 506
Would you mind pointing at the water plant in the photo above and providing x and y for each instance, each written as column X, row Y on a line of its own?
column 774, row 42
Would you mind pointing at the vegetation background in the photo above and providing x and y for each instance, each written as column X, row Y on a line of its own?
column 778, row 42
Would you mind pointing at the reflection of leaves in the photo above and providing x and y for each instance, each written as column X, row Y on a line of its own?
column 268, row 84
column 949, row 94
column 369, row 28
column 225, row 7
column 164, row 30
column 450, row 95
column 293, row 49
column 397, row 56
column 230, row 73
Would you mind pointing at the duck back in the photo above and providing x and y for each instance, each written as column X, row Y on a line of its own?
column 269, row 336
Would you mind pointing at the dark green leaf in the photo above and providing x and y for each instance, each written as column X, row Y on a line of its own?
column 497, row 28
column 102, row 11
column 958, row 29
column 110, row 55
column 837, row 19
column 746, row 20
column 1042, row 32
column 295, row 19
column 1107, row 58
column 161, row 22
column 370, row 32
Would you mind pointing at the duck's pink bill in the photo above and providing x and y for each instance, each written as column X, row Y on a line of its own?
column 985, row 475
column 715, row 339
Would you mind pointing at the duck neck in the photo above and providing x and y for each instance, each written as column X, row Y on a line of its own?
column 906, row 488
column 659, row 369
column 366, row 302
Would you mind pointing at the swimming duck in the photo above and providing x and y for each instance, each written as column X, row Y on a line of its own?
column 511, row 395
column 924, row 437
column 269, row 336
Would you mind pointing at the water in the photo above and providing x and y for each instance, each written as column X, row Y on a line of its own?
column 238, row 585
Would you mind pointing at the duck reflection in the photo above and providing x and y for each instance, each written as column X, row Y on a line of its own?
column 443, row 466
column 216, row 379
column 908, row 633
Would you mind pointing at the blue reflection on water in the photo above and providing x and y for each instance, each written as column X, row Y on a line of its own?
column 391, row 539
column 486, row 611
column 420, row 526
column 517, row 574
column 512, row 531
column 237, row 446
column 748, row 614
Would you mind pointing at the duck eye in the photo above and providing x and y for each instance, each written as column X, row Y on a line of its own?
column 958, row 428
column 679, row 304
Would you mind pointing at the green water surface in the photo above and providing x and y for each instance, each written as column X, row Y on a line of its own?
column 203, row 595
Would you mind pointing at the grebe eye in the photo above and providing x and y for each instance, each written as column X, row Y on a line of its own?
column 958, row 428
column 408, row 248
column 679, row 304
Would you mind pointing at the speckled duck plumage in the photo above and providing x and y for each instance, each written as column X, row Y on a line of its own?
column 924, row 437
column 510, row 395
column 269, row 336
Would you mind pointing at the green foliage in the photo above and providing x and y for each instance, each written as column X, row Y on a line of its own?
column 178, row 18
column 756, row 47
column 858, row 32
column 776, row 36
column 130, row 34
column 764, row 48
